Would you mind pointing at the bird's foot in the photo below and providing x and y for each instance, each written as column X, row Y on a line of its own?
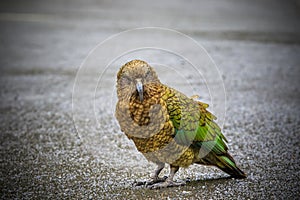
column 151, row 182
column 166, row 184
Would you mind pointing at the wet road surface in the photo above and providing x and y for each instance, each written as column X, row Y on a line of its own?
column 254, row 44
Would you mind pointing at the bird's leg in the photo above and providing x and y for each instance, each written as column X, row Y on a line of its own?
column 154, row 177
column 157, row 171
column 169, row 181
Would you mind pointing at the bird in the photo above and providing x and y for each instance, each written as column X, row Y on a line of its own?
column 168, row 127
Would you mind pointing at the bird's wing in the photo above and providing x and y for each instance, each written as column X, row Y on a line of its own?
column 194, row 125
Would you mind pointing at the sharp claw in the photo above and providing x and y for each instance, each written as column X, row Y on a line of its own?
column 139, row 183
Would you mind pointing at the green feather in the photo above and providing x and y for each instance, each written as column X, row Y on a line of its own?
column 201, row 130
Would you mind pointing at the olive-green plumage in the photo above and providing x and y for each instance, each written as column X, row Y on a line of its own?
column 167, row 126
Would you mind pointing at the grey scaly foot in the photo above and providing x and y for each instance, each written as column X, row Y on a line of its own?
column 169, row 182
column 166, row 184
column 151, row 182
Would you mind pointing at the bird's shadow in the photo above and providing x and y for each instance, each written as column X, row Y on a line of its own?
column 208, row 180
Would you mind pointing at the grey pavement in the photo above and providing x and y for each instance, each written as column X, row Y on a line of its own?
column 47, row 154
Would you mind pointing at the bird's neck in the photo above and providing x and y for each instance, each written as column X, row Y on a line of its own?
column 140, row 109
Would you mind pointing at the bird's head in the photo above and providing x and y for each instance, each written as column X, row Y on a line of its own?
column 133, row 78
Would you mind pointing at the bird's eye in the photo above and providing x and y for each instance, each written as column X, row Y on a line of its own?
column 125, row 80
column 148, row 74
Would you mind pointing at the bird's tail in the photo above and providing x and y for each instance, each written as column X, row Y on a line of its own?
column 227, row 164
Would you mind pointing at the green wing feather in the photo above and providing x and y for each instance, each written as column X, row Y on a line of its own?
column 195, row 127
column 193, row 124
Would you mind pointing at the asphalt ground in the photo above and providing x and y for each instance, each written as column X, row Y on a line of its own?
column 47, row 154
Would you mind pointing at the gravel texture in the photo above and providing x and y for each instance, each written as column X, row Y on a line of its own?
column 255, row 45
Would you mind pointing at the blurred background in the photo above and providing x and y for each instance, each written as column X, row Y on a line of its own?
column 255, row 44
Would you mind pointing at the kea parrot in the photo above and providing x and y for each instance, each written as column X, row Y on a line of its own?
column 168, row 127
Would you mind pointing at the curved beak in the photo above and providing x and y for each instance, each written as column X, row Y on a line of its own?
column 139, row 88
